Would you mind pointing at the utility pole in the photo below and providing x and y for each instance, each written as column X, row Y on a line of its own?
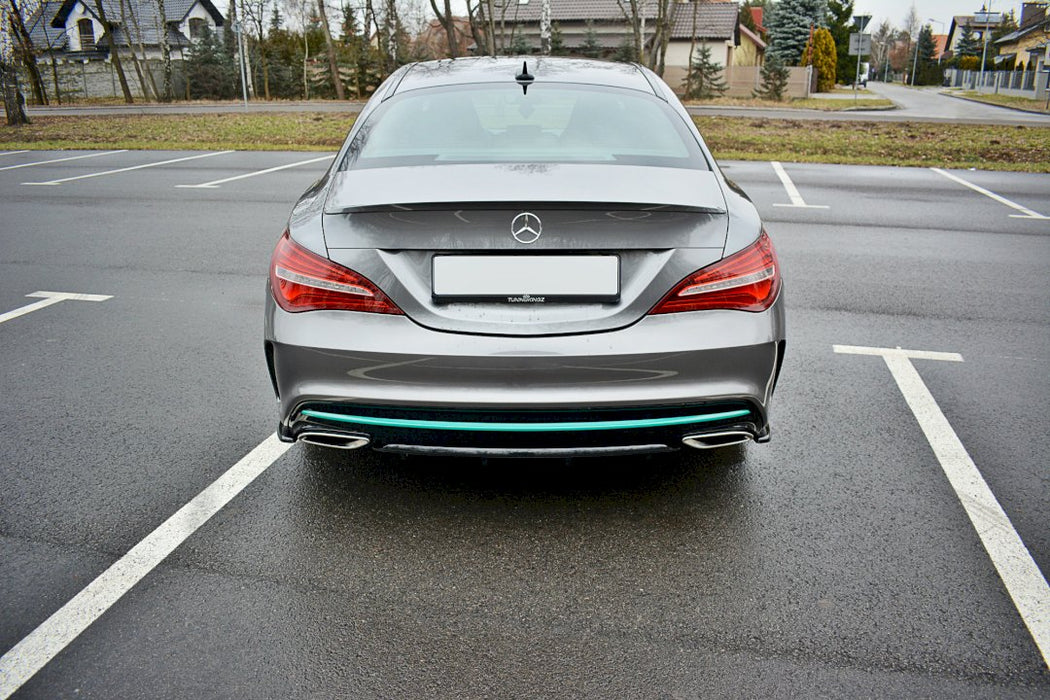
column 240, row 50
column 986, row 16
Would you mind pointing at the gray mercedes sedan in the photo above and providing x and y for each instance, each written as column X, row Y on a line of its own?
column 524, row 258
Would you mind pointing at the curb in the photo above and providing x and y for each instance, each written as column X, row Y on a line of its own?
column 992, row 104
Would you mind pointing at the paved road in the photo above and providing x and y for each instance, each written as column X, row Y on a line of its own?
column 835, row 561
column 927, row 103
column 917, row 105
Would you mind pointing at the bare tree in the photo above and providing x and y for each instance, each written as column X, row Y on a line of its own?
column 165, row 51
column 634, row 12
column 127, row 11
column 332, row 65
column 13, row 100
column 881, row 41
column 28, row 52
column 114, row 54
column 448, row 23
column 254, row 11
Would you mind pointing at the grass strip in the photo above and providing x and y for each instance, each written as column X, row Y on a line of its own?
column 271, row 131
column 922, row 144
column 1026, row 103
column 988, row 147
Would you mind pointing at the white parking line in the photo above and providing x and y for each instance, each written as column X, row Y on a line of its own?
column 49, row 299
column 1026, row 213
column 215, row 183
column 62, row 160
column 41, row 645
column 1024, row 581
column 792, row 191
column 11, row 153
column 125, row 170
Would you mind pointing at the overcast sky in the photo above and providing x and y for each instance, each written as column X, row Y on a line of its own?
column 940, row 10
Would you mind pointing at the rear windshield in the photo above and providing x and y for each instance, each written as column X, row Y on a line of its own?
column 551, row 123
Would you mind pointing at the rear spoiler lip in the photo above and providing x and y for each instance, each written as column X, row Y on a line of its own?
column 394, row 207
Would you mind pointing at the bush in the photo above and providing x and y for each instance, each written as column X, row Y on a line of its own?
column 821, row 53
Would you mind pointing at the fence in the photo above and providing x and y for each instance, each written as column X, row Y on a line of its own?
column 83, row 79
column 1021, row 83
column 744, row 80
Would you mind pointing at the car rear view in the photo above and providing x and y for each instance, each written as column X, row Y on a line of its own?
column 524, row 260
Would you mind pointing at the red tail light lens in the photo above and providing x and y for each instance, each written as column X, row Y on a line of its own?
column 304, row 281
column 745, row 281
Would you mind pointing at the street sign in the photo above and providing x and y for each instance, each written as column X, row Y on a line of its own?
column 859, row 44
column 860, row 22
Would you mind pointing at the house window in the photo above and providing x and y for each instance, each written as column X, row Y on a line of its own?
column 197, row 28
column 87, row 34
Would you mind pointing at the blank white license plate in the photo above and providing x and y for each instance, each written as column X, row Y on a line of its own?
column 528, row 279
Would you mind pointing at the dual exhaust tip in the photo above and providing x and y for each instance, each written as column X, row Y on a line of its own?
column 340, row 441
column 353, row 441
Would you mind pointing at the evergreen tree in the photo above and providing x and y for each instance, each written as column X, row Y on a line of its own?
column 276, row 21
column 210, row 71
column 822, row 55
column 774, row 79
column 705, row 80
column 591, row 47
column 789, row 24
column 519, row 45
column 557, row 41
column 840, row 24
column 968, row 44
column 625, row 52
column 928, row 72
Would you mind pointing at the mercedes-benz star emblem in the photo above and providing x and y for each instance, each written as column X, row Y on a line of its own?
column 526, row 227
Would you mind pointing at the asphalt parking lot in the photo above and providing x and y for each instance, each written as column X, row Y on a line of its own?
column 843, row 558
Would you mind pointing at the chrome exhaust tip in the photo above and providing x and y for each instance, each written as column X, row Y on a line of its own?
column 709, row 441
column 339, row 441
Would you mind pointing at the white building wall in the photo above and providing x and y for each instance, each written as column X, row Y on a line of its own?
column 196, row 12
column 73, row 32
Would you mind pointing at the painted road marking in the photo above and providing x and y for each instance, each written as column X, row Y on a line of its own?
column 1024, row 581
column 49, row 299
column 56, row 632
column 792, row 191
column 215, row 183
column 133, row 167
column 62, row 160
column 11, row 153
column 1026, row 213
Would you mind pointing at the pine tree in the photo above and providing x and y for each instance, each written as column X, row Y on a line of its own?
column 840, row 22
column 705, row 80
column 591, row 48
column 557, row 40
column 210, row 70
column 968, row 44
column 789, row 23
column 774, row 79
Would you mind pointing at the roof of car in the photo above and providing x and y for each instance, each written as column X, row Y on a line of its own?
column 487, row 69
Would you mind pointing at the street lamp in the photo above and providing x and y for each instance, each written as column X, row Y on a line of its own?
column 939, row 53
column 985, row 17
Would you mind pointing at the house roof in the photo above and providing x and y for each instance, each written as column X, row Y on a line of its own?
column 1041, row 24
column 755, row 38
column 175, row 11
column 715, row 20
column 41, row 32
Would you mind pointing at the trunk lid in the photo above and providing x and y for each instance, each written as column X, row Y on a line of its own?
column 660, row 224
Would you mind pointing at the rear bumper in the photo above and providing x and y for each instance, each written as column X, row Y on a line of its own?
column 414, row 390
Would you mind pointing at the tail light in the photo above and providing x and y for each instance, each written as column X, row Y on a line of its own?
column 745, row 281
column 304, row 281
